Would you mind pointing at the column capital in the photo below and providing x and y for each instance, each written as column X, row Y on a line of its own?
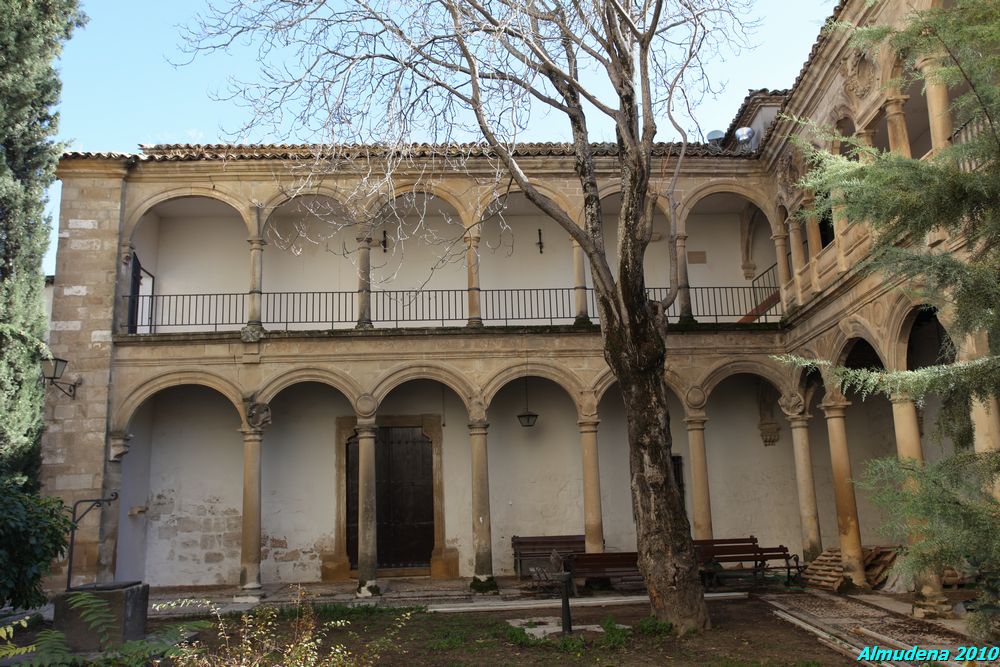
column 256, row 242
column 588, row 424
column 779, row 236
column 792, row 404
column 252, row 434
column 478, row 427
column 118, row 445
column 894, row 103
column 901, row 397
column 366, row 427
column 471, row 240
column 365, row 240
column 695, row 421
column 835, row 405
column 867, row 137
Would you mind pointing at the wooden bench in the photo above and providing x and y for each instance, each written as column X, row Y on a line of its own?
column 535, row 551
column 622, row 566
column 714, row 554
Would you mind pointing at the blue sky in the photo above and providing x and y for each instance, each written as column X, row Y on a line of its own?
column 120, row 88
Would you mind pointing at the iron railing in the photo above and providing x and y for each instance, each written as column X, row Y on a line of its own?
column 160, row 313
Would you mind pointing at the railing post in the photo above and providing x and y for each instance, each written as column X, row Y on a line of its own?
column 472, row 267
column 580, row 285
column 364, row 282
column 684, row 293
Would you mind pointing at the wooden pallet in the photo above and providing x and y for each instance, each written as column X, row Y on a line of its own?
column 827, row 572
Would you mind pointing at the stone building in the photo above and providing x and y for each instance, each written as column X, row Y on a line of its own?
column 233, row 392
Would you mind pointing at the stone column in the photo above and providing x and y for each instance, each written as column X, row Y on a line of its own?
column 798, row 257
column 867, row 137
column 472, row 268
column 254, row 314
column 784, row 277
column 812, row 542
column 684, row 293
column 580, row 284
column 813, row 238
column 250, row 542
column 700, row 496
column 482, row 535
column 839, row 219
column 367, row 519
column 899, row 138
column 124, row 286
column 851, row 554
column 930, row 599
column 985, row 414
column 938, row 104
column 593, row 519
column 364, row 282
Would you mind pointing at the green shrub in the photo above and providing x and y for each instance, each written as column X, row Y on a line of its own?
column 614, row 637
column 651, row 626
column 33, row 533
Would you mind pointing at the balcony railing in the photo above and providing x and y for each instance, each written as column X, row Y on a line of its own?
column 160, row 313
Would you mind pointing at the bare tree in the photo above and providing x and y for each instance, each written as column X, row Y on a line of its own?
column 367, row 77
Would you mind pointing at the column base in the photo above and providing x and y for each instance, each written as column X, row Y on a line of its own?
column 252, row 332
column 364, row 324
column 932, row 607
column 368, row 589
column 249, row 594
column 484, row 584
column 846, row 586
column 582, row 321
column 475, row 323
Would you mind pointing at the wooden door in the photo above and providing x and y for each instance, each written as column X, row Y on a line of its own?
column 404, row 492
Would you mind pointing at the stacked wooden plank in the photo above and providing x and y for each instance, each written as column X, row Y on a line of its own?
column 826, row 571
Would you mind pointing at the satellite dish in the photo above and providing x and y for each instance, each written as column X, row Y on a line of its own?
column 744, row 136
column 715, row 137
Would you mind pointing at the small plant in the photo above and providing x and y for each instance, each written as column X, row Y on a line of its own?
column 572, row 644
column 519, row 637
column 651, row 626
column 614, row 637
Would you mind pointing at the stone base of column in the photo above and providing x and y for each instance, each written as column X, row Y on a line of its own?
column 368, row 589
column 252, row 332
column 582, row 321
column 484, row 584
column 334, row 567
column 249, row 594
column 932, row 607
column 474, row 323
column 364, row 324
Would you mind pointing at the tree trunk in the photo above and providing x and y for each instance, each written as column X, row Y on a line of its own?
column 636, row 352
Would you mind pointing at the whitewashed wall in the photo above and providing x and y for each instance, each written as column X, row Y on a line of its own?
column 536, row 473
column 133, row 498
column 193, row 495
column 298, row 482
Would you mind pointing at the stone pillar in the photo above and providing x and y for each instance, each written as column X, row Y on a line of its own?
column 254, row 315
column 367, row 519
column 250, row 542
column 839, row 219
column 813, row 238
column 700, row 496
column 684, row 294
column 938, row 104
column 866, row 137
column 851, row 554
column 110, row 514
column 899, row 138
column 580, row 284
column 798, row 257
column 784, row 277
column 364, row 282
column 593, row 519
column 123, row 296
column 930, row 598
column 472, row 268
column 812, row 542
column 482, row 535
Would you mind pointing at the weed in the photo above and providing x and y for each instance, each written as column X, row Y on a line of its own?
column 614, row 637
column 519, row 637
column 448, row 640
column 651, row 626
column 571, row 644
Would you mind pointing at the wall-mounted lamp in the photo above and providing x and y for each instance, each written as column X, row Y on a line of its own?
column 52, row 372
column 527, row 418
column 540, row 244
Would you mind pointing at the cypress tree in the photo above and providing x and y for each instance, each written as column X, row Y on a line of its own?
column 31, row 36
